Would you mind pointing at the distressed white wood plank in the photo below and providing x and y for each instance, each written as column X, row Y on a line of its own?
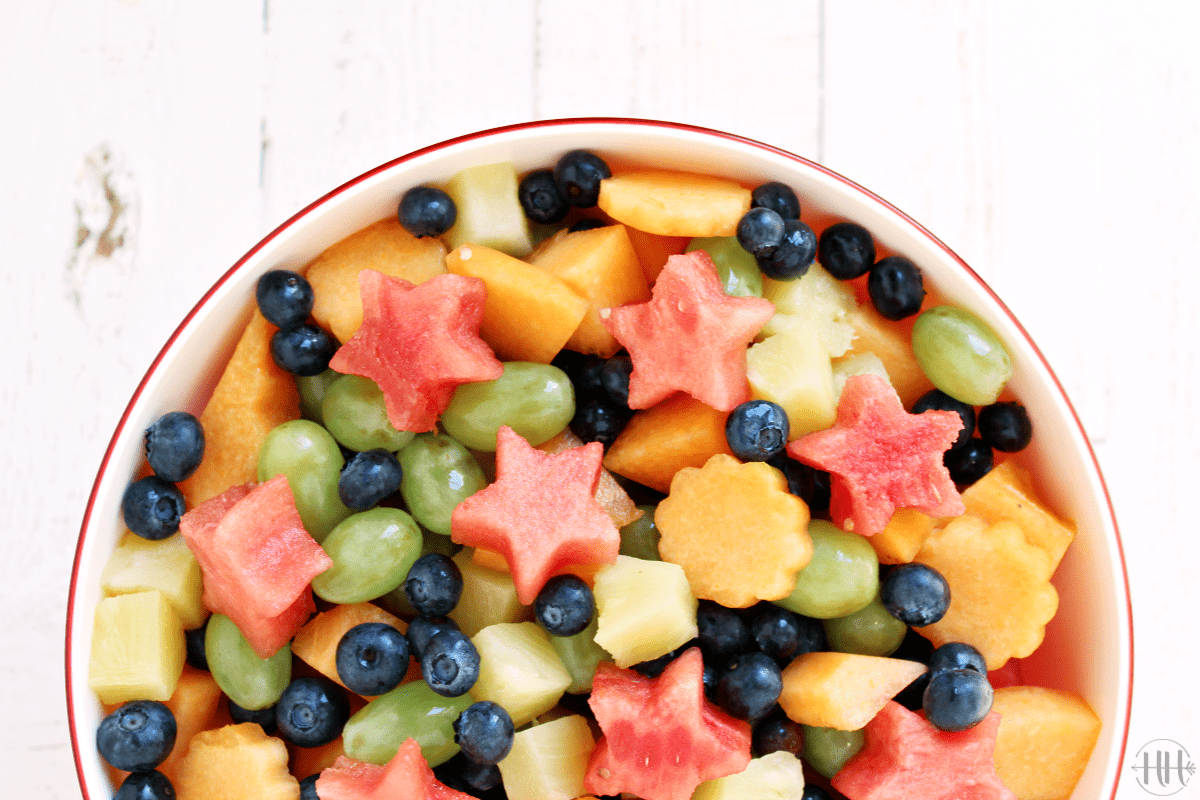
column 754, row 71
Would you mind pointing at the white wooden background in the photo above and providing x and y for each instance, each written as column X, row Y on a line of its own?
column 147, row 144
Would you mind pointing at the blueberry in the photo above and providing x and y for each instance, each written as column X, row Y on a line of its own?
column 813, row 791
column 749, row 686
column 846, row 250
column 722, row 633
column 585, row 372
column 937, row 400
column 577, row 176
column 896, row 288
column 304, row 350
column 564, row 606
column 1005, row 427
column 956, row 655
column 264, row 717
column 655, row 666
column 308, row 787
column 368, row 478
column 426, row 211
column 783, row 635
column 137, row 736
column 587, row 225
column 760, row 231
column 778, row 197
column 957, row 699
column 152, row 508
column 775, row 733
column 915, row 594
column 372, row 658
column 284, row 297
column 434, row 585
column 757, row 430
column 422, row 629
column 969, row 463
column 475, row 780
column 599, row 421
column 540, row 199
column 175, row 446
column 312, row 711
column 712, row 674
column 151, row 785
column 450, row 663
column 194, row 639
column 795, row 254
column 614, row 377
column 810, row 484
column 484, row 732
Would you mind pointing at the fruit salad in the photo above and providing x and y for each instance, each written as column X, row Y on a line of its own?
column 589, row 482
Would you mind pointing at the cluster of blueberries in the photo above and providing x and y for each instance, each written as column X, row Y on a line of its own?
column 1002, row 426
column 152, row 506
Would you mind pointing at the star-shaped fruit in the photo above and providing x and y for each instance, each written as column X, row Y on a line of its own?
column 690, row 336
column 906, row 757
column 407, row 775
column 882, row 458
column 661, row 737
column 418, row 343
column 541, row 513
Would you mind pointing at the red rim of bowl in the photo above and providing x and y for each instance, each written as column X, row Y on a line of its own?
column 551, row 124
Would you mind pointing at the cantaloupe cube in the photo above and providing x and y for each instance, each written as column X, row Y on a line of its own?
column 138, row 648
column 384, row 247
column 194, row 705
column 609, row 494
column 901, row 540
column 237, row 762
column 1007, row 493
column 654, row 250
column 252, row 397
column 519, row 669
column 1045, row 740
column 644, row 609
column 548, row 760
column 874, row 334
column 674, row 203
column 793, row 370
column 842, row 690
column 529, row 314
column 659, row 441
column 168, row 565
column 1000, row 592
column 736, row 530
column 599, row 264
column 305, row 761
column 489, row 596
column 316, row 643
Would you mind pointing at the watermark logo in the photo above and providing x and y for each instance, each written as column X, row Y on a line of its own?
column 1163, row 767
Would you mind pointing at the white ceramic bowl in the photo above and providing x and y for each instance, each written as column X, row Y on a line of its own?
column 1089, row 645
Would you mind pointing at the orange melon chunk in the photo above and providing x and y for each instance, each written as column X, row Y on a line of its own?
column 609, row 494
column 1045, row 740
column 252, row 397
column 659, row 441
column 674, row 203
column 237, row 762
column 874, row 334
column 529, row 313
column 902, row 537
column 1007, row 493
column 654, row 250
column 384, row 247
column 842, row 690
column 194, row 705
column 736, row 531
column 316, row 643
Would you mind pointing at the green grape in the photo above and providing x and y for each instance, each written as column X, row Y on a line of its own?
column 581, row 655
column 827, row 749
column 251, row 682
column 376, row 732
column 372, row 552
column 353, row 411
column 639, row 538
column 535, row 400
column 312, row 392
column 841, row 578
column 961, row 355
column 310, row 458
column 870, row 631
column 736, row 268
column 438, row 474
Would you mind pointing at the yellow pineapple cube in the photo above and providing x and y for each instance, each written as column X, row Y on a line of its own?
column 1007, row 493
column 548, row 760
column 644, row 609
column 489, row 596
column 167, row 565
column 1045, row 740
column 519, row 669
column 817, row 301
column 792, row 369
column 236, row 762
column 775, row 776
column 674, row 203
column 842, row 690
column 138, row 648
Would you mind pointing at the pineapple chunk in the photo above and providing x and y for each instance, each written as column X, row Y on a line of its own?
column 857, row 364
column 488, row 596
column 817, row 301
column 489, row 213
column 237, row 762
column 138, row 565
column 645, row 609
column 548, row 761
column 793, row 370
column 138, row 648
column 776, row 776
column 519, row 669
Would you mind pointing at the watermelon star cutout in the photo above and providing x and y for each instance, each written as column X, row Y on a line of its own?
column 419, row 343
column 690, row 336
column 906, row 758
column 541, row 513
column 407, row 775
column 661, row 737
column 882, row 458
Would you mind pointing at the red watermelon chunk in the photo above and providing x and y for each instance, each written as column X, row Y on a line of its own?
column 882, row 458
column 906, row 758
column 689, row 337
column 406, row 776
column 541, row 514
column 257, row 561
column 419, row 343
column 661, row 737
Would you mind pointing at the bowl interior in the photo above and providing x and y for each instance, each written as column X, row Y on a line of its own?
column 1088, row 646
